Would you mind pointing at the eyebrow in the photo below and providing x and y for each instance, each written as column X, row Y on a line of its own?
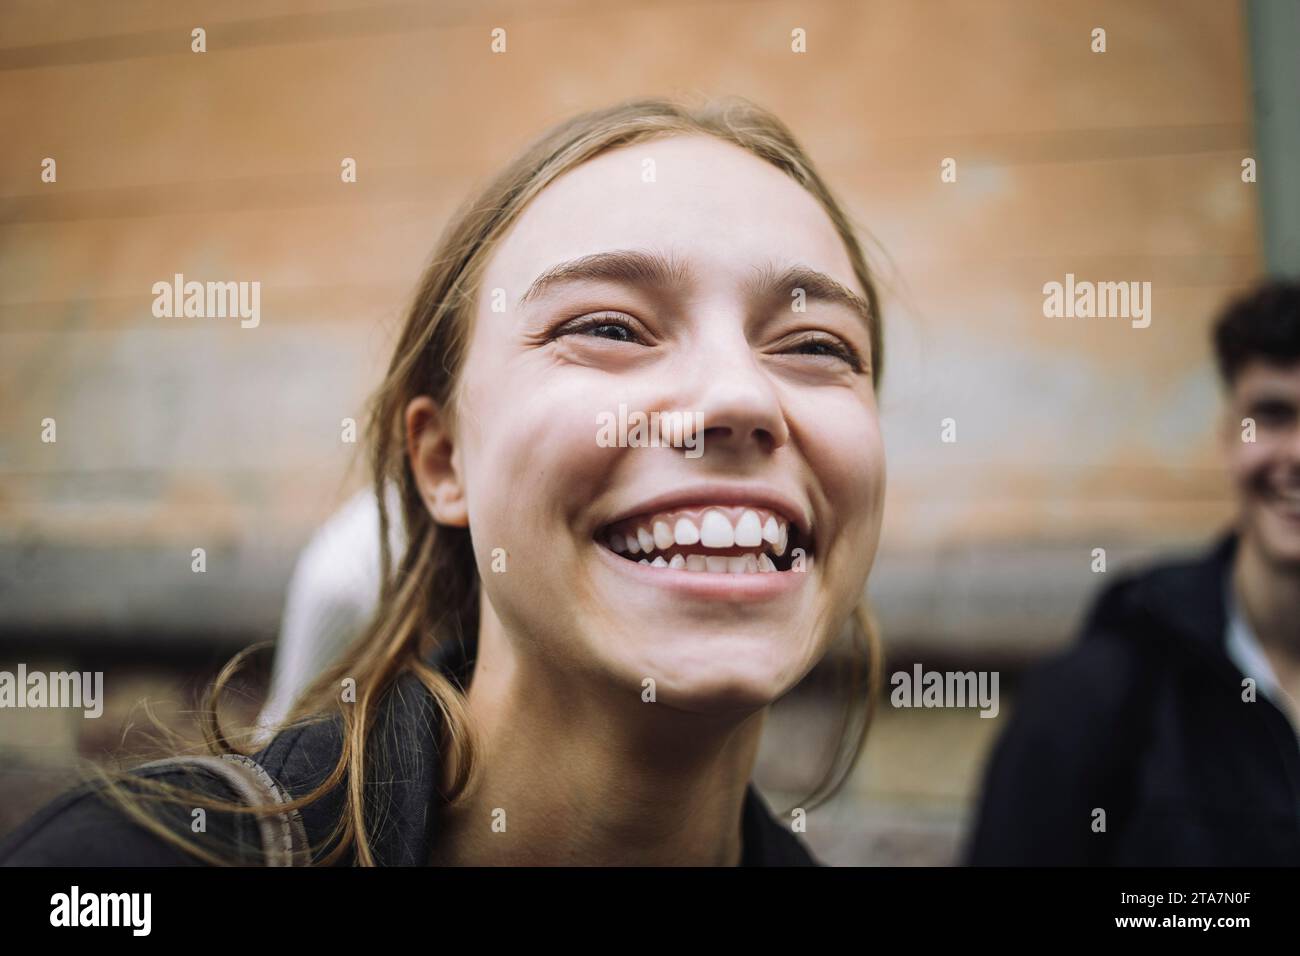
column 628, row 266
column 817, row 286
column 646, row 269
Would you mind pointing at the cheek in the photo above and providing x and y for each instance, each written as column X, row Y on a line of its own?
column 842, row 441
column 531, row 459
column 1249, row 461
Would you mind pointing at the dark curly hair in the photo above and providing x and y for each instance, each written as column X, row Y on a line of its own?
column 1262, row 324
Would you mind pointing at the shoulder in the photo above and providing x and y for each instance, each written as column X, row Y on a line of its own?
column 302, row 754
column 1181, row 597
column 1095, row 678
column 1082, row 707
column 1129, row 632
column 300, row 759
column 83, row 827
column 402, row 765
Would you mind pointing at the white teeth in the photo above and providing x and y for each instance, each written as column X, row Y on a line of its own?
column 752, row 530
column 750, row 563
column 749, row 531
column 716, row 531
column 686, row 532
column 742, row 564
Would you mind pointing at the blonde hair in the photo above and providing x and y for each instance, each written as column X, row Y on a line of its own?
column 431, row 595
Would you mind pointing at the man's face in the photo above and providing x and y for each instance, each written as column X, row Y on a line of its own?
column 1266, row 472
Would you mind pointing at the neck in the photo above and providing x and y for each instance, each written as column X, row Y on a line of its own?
column 573, row 776
column 1269, row 595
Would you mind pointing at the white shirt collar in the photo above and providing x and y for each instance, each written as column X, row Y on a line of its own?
column 1244, row 649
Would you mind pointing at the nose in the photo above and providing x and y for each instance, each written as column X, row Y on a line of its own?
column 736, row 396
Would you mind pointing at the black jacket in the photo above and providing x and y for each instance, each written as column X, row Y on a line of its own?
column 78, row 829
column 1144, row 718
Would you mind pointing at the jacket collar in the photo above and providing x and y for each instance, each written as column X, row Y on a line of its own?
column 403, row 796
column 1183, row 603
column 1192, row 598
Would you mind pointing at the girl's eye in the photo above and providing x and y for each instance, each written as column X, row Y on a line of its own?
column 608, row 325
column 829, row 346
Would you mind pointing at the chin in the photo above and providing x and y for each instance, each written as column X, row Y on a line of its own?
column 1278, row 539
column 1283, row 551
column 720, row 698
column 712, row 673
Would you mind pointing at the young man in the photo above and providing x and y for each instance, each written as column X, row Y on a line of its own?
column 1170, row 734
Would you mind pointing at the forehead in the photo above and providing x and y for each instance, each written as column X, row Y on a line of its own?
column 714, row 205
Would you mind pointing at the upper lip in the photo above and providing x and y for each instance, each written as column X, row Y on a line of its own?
column 703, row 495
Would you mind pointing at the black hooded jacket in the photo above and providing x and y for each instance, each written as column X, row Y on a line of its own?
column 79, row 829
column 1144, row 718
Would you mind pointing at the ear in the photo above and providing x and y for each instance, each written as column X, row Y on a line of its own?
column 435, row 462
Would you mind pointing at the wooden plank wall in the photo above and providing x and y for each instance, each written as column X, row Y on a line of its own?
column 1072, row 434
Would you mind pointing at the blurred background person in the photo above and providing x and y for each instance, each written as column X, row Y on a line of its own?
column 1170, row 734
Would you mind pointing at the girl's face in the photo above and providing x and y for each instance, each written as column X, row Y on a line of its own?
column 682, row 276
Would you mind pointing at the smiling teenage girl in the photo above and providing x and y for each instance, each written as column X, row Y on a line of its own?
column 574, row 657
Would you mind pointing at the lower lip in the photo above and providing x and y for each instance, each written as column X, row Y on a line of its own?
column 712, row 585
